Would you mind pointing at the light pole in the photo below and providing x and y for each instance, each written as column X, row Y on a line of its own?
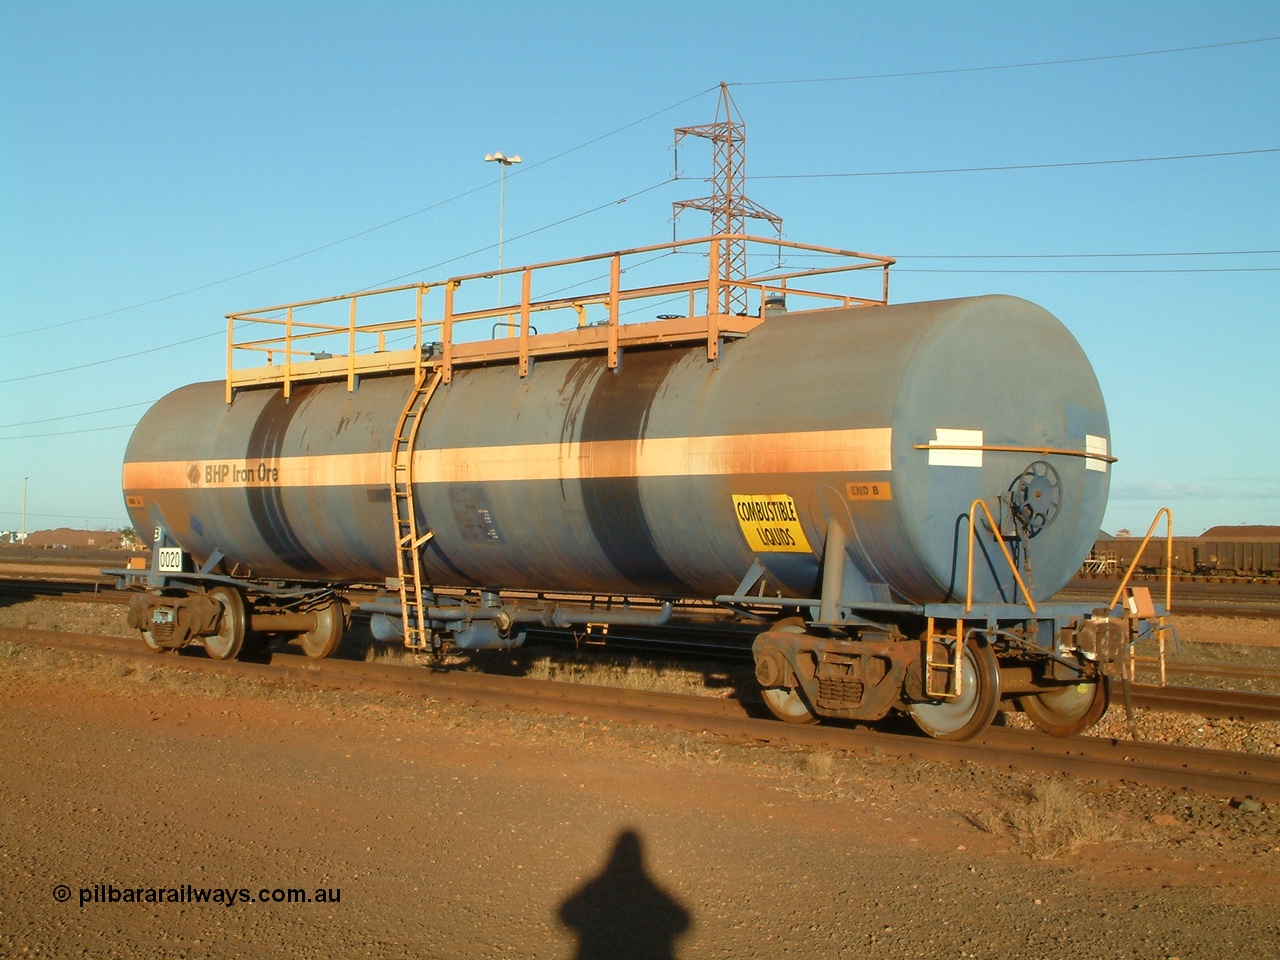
column 22, row 534
column 503, row 162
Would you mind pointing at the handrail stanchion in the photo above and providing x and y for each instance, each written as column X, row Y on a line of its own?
column 615, row 285
column 351, row 348
column 446, row 332
column 1013, row 567
column 526, row 287
column 288, row 351
column 417, row 334
column 231, row 345
column 1161, row 628
column 713, row 300
column 1168, row 579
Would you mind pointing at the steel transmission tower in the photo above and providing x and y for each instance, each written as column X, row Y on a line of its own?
column 728, row 207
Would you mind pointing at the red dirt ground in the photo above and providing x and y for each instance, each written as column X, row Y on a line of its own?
column 460, row 832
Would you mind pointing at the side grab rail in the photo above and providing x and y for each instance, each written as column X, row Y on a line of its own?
column 1168, row 566
column 1013, row 567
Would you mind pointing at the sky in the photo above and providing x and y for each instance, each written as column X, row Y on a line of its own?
column 164, row 164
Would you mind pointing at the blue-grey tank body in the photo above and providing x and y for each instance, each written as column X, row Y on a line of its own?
column 669, row 476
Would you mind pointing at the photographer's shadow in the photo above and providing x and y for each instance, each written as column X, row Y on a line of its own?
column 622, row 914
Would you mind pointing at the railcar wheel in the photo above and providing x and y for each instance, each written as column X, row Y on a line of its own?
column 150, row 643
column 324, row 639
column 1066, row 711
column 786, row 704
column 228, row 641
column 975, row 708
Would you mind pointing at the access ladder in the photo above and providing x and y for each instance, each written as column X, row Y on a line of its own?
column 404, row 516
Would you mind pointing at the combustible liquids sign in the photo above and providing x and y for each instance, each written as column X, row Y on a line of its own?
column 770, row 523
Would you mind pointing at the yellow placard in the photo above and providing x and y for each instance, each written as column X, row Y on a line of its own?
column 879, row 490
column 770, row 523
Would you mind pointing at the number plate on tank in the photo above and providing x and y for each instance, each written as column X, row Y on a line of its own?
column 169, row 560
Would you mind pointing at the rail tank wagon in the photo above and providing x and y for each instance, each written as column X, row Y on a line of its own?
column 895, row 492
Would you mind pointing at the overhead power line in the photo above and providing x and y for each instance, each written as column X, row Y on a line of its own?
column 361, row 233
column 67, row 433
column 220, row 333
column 354, row 236
column 238, row 276
column 918, row 73
column 906, row 258
column 67, row 518
column 1007, row 66
column 1079, row 256
column 74, row 416
column 1016, row 166
column 527, row 233
column 125, row 356
column 901, row 269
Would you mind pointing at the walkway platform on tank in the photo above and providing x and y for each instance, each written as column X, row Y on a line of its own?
column 394, row 330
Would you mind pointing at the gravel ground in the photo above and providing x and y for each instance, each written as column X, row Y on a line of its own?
column 465, row 832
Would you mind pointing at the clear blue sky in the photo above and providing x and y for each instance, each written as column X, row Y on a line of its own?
column 166, row 163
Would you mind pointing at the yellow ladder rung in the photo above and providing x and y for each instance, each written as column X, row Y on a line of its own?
column 948, row 666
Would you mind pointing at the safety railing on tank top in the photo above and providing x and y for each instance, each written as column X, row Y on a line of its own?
column 374, row 331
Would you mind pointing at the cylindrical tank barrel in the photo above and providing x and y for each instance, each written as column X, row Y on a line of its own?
column 670, row 475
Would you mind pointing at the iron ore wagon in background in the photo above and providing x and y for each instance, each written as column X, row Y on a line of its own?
column 1229, row 552
column 893, row 492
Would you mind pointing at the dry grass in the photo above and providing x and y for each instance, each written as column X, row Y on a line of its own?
column 593, row 669
column 600, row 669
column 686, row 749
column 1050, row 820
column 138, row 678
column 604, row 673
column 820, row 765
column 392, row 655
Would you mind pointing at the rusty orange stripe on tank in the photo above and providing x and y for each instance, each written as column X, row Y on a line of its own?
column 819, row 451
column 332, row 470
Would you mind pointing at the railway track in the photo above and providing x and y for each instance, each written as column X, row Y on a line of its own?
column 690, row 640
column 100, row 590
column 1163, row 765
column 1253, row 599
column 1207, row 702
column 1200, row 668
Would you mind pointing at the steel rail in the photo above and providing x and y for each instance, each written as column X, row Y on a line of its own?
column 1215, row 772
column 1208, row 702
column 1194, row 668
